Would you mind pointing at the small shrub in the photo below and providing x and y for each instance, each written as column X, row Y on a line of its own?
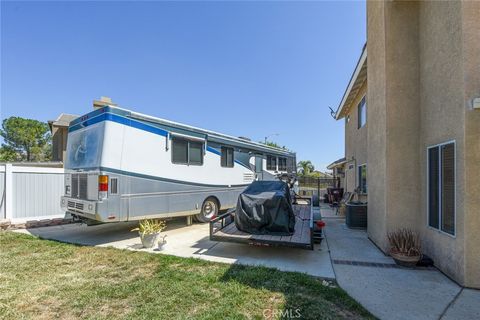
column 404, row 241
column 150, row 226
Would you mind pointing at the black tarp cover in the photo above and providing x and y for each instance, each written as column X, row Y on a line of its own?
column 265, row 207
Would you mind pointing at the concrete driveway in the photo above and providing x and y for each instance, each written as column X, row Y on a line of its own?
column 193, row 241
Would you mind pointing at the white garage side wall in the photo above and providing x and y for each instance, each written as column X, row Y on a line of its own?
column 2, row 193
column 31, row 193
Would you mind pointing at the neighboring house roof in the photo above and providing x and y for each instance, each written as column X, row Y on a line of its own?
column 359, row 76
column 63, row 120
column 337, row 163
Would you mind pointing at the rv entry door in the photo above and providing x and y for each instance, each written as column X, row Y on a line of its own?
column 259, row 166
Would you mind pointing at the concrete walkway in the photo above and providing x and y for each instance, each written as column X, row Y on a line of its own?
column 193, row 241
column 389, row 291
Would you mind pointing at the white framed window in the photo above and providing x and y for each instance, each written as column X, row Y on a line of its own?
column 441, row 187
column 362, row 178
column 362, row 112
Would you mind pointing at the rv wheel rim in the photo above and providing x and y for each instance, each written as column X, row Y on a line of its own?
column 209, row 209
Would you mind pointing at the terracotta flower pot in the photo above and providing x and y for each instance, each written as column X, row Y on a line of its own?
column 404, row 260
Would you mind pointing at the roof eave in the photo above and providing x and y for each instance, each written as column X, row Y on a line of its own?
column 363, row 58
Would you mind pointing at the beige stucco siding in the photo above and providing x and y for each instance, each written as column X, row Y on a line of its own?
column 423, row 74
column 355, row 142
column 402, row 111
column 376, row 115
column 471, row 69
column 442, row 120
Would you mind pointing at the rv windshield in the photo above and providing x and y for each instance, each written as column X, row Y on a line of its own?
column 84, row 147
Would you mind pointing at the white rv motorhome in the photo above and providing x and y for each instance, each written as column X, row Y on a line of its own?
column 124, row 166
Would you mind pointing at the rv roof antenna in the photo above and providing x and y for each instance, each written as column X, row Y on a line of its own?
column 333, row 113
column 271, row 135
column 104, row 101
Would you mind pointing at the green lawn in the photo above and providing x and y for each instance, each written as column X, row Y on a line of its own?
column 44, row 279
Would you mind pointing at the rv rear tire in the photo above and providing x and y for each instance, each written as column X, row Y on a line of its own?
column 209, row 210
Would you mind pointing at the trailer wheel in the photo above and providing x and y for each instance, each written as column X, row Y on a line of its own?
column 209, row 210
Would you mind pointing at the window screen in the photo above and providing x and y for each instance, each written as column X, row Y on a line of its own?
column 433, row 187
column 448, row 188
column 441, row 187
column 282, row 164
column 227, row 158
column 271, row 163
column 179, row 151
column 195, row 151
column 362, row 178
column 187, row 152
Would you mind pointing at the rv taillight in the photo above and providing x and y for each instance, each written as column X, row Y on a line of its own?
column 102, row 183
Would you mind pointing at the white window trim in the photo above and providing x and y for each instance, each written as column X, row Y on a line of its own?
column 454, row 235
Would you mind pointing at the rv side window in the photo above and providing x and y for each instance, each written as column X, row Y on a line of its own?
column 271, row 163
column 179, row 151
column 187, row 152
column 195, row 153
column 227, row 157
column 282, row 164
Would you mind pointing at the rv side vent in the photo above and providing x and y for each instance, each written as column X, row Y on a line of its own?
column 248, row 177
column 114, row 186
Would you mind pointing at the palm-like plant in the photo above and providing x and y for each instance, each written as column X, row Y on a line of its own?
column 305, row 167
column 150, row 226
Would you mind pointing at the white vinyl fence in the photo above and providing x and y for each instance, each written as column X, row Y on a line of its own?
column 31, row 192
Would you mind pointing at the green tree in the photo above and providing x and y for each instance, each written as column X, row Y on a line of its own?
column 305, row 167
column 7, row 154
column 25, row 140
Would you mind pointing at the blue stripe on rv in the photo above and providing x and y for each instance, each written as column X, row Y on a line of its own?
column 118, row 119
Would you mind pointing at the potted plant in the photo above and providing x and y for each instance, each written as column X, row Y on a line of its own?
column 404, row 247
column 149, row 232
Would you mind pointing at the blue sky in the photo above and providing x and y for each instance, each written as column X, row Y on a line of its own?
column 241, row 68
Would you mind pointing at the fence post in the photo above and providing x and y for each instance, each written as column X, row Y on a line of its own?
column 8, row 191
column 318, row 188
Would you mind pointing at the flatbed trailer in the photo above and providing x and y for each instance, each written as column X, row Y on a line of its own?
column 223, row 229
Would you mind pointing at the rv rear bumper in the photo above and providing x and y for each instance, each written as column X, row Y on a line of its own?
column 85, row 208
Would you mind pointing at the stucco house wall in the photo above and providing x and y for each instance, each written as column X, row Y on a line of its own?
column 471, row 67
column 355, row 143
column 423, row 74
column 376, row 115
column 442, row 119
